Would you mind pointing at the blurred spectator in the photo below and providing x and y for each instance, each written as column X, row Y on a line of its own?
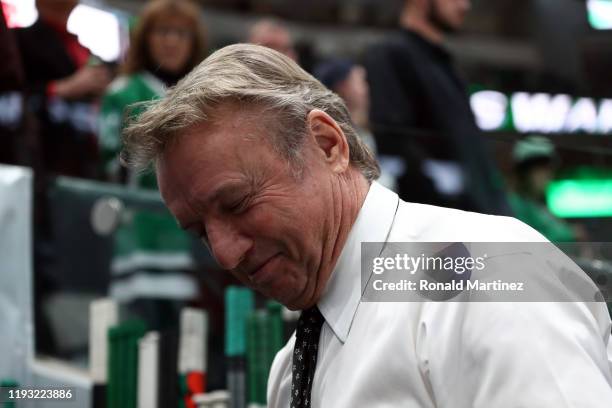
column 62, row 82
column 167, row 42
column 348, row 80
column 535, row 163
column 416, row 95
column 273, row 34
column 11, row 100
column 152, row 263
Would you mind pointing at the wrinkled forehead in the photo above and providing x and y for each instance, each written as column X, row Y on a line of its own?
column 195, row 154
column 246, row 120
column 208, row 155
column 228, row 127
column 232, row 133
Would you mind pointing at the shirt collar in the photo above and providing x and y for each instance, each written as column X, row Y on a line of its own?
column 343, row 292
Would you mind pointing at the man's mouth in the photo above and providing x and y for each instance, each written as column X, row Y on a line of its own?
column 265, row 271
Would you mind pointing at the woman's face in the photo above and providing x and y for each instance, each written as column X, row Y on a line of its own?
column 171, row 43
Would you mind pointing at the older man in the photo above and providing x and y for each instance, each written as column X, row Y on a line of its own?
column 260, row 160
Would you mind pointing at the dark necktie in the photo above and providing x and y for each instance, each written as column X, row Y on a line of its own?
column 305, row 356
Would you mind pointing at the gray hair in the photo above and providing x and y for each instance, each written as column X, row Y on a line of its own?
column 251, row 76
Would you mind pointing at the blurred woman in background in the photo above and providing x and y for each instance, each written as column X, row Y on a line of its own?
column 167, row 41
column 152, row 266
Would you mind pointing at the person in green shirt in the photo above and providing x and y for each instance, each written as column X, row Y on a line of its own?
column 168, row 40
column 152, row 265
column 534, row 166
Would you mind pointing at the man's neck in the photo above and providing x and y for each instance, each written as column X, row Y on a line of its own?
column 349, row 196
column 420, row 25
column 356, row 189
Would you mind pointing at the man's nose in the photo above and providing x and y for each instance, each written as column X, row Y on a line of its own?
column 228, row 244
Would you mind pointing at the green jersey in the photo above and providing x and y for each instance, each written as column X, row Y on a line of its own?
column 122, row 101
column 537, row 216
column 147, row 242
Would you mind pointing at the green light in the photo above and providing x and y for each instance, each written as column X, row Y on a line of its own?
column 580, row 198
column 600, row 14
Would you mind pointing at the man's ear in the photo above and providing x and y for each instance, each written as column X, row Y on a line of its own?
column 329, row 140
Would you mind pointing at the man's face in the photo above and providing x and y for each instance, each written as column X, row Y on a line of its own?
column 224, row 182
column 450, row 14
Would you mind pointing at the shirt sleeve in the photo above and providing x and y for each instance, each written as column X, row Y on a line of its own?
column 518, row 354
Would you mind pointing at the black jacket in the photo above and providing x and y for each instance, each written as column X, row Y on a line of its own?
column 66, row 137
column 420, row 108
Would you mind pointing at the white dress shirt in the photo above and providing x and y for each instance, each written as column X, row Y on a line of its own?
column 447, row 354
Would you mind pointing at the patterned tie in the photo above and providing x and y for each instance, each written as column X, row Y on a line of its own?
column 305, row 356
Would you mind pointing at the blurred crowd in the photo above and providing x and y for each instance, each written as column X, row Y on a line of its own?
column 64, row 108
column 62, row 111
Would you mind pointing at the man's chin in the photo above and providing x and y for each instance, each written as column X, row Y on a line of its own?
column 292, row 301
column 287, row 292
column 281, row 297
